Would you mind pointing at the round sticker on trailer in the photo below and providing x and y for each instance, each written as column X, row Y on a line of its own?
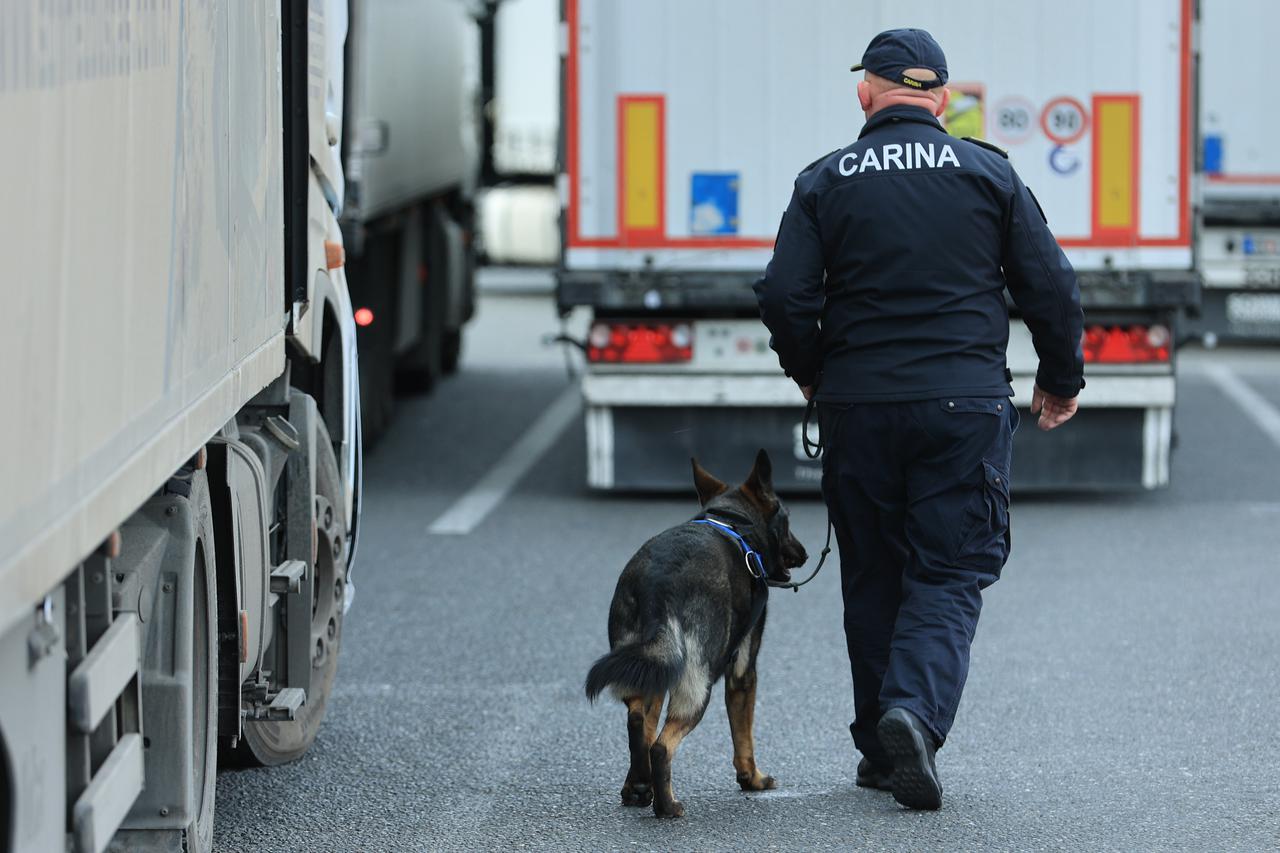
column 1063, row 160
column 1014, row 120
column 1064, row 120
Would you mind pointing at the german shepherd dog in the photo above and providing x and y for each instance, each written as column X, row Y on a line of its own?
column 690, row 608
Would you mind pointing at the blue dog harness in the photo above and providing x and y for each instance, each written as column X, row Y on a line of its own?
column 755, row 563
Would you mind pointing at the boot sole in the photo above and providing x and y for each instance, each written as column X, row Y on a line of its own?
column 915, row 784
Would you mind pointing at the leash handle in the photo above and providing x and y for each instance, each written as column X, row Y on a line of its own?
column 812, row 449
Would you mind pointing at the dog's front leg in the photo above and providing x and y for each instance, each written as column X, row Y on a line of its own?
column 740, row 701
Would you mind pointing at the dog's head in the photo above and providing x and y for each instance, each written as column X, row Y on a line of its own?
column 756, row 499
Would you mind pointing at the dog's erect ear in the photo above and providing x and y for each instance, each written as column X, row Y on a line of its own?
column 760, row 481
column 708, row 486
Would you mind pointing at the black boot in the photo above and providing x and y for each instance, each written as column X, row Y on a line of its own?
column 910, row 744
column 875, row 768
column 873, row 776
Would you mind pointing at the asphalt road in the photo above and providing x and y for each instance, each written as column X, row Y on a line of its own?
column 1123, row 693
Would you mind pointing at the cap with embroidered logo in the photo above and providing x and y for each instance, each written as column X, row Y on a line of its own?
column 893, row 52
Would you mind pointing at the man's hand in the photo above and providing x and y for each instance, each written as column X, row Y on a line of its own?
column 1053, row 411
column 807, row 391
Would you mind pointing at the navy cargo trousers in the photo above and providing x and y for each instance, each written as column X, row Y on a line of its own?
column 919, row 497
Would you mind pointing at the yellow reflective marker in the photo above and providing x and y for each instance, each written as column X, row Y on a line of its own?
column 1115, row 163
column 640, row 158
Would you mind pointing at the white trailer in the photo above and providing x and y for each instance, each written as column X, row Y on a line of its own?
column 1239, row 245
column 519, row 209
column 685, row 124
column 412, row 163
column 181, row 440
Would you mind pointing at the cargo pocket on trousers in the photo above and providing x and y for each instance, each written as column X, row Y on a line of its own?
column 986, row 546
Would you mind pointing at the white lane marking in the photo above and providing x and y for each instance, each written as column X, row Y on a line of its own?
column 497, row 483
column 1257, row 407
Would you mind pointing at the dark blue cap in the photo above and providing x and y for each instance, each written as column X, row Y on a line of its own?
column 892, row 52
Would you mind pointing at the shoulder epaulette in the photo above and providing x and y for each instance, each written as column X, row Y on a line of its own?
column 819, row 160
column 988, row 146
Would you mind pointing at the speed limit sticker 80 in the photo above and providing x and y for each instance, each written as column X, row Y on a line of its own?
column 1064, row 120
column 1014, row 120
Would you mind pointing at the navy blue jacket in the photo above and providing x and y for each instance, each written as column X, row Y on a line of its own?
column 889, row 271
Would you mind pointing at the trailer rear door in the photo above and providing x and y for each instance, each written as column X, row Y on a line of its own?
column 686, row 123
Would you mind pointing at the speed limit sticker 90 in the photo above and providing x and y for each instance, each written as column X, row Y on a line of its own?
column 1013, row 120
column 1064, row 120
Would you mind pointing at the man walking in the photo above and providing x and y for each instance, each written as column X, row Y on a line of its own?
column 885, row 297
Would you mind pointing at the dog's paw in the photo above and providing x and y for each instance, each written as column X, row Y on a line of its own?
column 671, row 808
column 756, row 781
column 637, row 794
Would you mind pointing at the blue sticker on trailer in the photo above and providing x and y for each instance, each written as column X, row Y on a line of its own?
column 1213, row 154
column 1063, row 160
column 713, row 203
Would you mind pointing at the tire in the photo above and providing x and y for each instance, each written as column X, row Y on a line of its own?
column 377, row 401
column 372, row 277
column 198, row 836
column 421, row 366
column 451, row 351
column 199, row 578
column 269, row 744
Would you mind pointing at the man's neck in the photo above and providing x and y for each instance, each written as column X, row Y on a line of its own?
column 902, row 99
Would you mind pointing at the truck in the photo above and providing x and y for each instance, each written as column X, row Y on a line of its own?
column 519, row 211
column 411, row 160
column 181, row 432
column 684, row 126
column 1239, row 246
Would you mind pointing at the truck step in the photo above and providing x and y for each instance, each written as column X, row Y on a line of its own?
column 286, row 704
column 287, row 577
column 106, row 671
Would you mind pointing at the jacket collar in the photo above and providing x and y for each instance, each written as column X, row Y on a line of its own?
column 899, row 112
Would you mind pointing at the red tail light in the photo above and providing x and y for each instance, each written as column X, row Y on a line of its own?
column 1126, row 345
column 640, row 343
column 363, row 317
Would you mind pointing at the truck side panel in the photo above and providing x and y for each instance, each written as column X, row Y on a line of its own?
column 408, row 73
column 146, row 283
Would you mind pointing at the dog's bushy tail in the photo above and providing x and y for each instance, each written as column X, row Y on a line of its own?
column 648, row 667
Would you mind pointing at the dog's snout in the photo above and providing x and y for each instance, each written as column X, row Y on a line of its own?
column 795, row 553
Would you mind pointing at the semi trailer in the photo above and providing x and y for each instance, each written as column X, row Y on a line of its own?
column 1239, row 246
column 181, row 428
column 685, row 124
column 410, row 152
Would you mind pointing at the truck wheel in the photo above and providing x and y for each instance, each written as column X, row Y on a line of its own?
column 198, row 836
column 166, row 661
column 271, row 743
column 451, row 350
column 371, row 278
column 376, row 399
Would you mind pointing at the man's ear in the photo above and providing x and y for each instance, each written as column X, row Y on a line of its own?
column 760, row 480
column 707, row 486
column 942, row 105
column 864, row 95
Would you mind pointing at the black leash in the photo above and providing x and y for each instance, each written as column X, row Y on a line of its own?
column 812, row 449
